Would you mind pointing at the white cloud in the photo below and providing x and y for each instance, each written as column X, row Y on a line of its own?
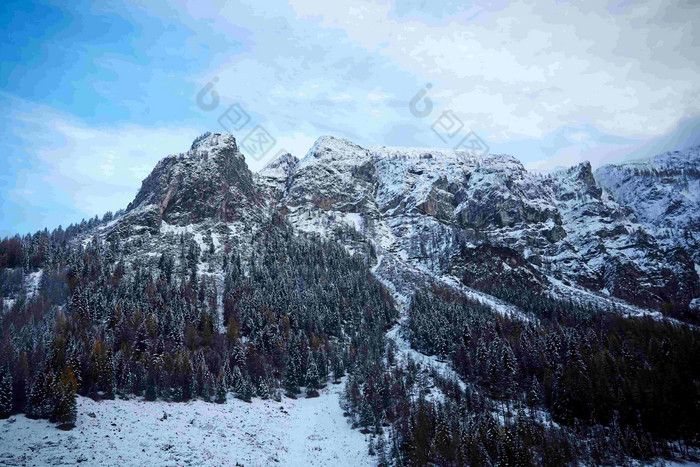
column 376, row 97
column 94, row 169
column 526, row 70
column 342, row 97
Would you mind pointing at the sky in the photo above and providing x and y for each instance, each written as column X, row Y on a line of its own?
column 93, row 94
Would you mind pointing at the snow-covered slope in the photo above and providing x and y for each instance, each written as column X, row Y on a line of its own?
column 419, row 206
column 663, row 192
column 302, row 432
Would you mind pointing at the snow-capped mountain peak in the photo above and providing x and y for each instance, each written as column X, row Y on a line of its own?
column 580, row 232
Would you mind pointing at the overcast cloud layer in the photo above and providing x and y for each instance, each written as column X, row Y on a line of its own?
column 93, row 95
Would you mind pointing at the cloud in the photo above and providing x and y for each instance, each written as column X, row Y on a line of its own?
column 630, row 70
column 376, row 97
column 550, row 82
column 70, row 170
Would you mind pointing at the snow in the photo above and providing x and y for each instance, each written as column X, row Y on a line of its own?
column 497, row 305
column 405, row 351
column 695, row 304
column 339, row 151
column 8, row 303
column 32, row 282
column 302, row 432
column 354, row 219
column 109, row 224
column 379, row 263
column 216, row 142
column 166, row 228
column 579, row 294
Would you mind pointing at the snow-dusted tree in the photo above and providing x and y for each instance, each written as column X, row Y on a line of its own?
column 5, row 392
column 290, row 381
column 312, row 379
column 367, row 418
column 221, row 388
column 236, row 379
column 264, row 389
column 65, row 410
column 40, row 402
column 151, row 390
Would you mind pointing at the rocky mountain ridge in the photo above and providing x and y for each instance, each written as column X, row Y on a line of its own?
column 211, row 181
column 436, row 214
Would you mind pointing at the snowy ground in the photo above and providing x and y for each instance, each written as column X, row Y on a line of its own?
column 302, row 432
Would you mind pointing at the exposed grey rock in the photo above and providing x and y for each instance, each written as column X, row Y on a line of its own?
column 434, row 213
column 211, row 181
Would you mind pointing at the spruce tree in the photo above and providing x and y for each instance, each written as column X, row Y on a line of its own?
column 40, row 400
column 5, row 392
column 264, row 389
column 151, row 391
column 65, row 411
column 220, row 389
column 289, row 381
column 312, row 379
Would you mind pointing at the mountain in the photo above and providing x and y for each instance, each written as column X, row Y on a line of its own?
column 625, row 235
column 455, row 307
column 210, row 182
column 662, row 192
column 577, row 233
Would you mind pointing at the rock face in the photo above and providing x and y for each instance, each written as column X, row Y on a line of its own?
column 210, row 181
column 663, row 193
column 277, row 173
column 627, row 231
column 420, row 207
column 613, row 251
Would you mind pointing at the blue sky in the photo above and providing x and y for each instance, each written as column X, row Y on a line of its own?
column 93, row 94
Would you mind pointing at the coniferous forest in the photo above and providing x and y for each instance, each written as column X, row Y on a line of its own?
column 297, row 313
column 302, row 312
column 410, row 233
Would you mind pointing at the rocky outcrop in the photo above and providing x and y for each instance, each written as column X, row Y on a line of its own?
column 424, row 206
column 210, row 181
column 442, row 214
column 663, row 193
column 273, row 179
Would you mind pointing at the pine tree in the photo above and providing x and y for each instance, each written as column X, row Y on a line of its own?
column 366, row 415
column 236, row 379
column 289, row 381
column 534, row 396
column 221, row 389
column 40, row 400
column 312, row 379
column 5, row 392
column 243, row 387
column 151, row 391
column 382, row 459
column 441, row 445
column 337, row 368
column 247, row 391
column 264, row 389
column 65, row 411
